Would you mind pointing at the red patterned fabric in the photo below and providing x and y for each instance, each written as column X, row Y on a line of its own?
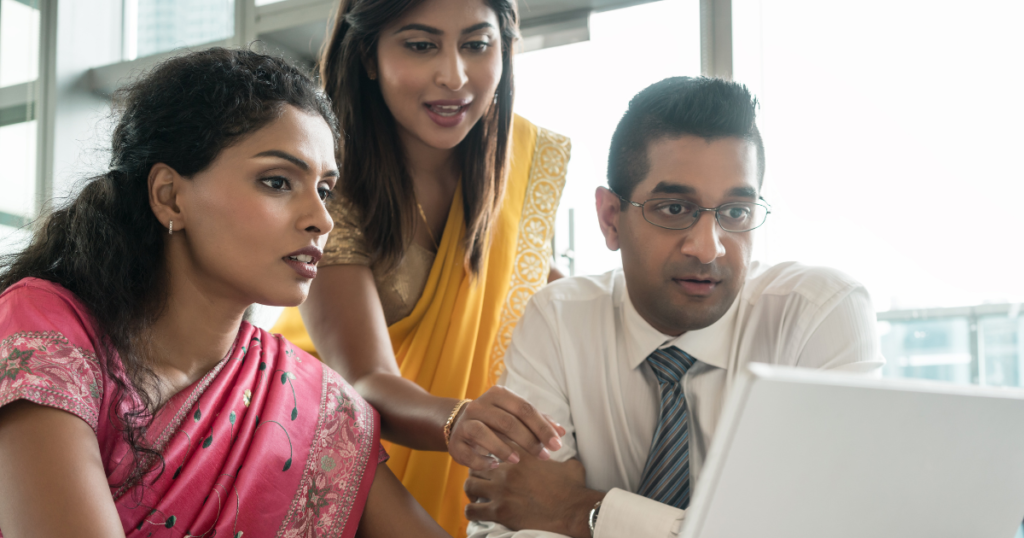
column 268, row 443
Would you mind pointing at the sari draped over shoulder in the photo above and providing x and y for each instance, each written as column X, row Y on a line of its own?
column 268, row 443
column 453, row 342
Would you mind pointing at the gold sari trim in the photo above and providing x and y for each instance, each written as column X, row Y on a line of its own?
column 536, row 229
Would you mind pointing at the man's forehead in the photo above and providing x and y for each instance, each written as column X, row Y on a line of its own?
column 691, row 165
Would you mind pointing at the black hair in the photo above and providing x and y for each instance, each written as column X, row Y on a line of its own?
column 107, row 247
column 710, row 108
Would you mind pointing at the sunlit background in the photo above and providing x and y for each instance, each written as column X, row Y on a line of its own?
column 892, row 130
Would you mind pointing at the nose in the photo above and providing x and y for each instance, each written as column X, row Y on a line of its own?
column 315, row 219
column 451, row 70
column 703, row 240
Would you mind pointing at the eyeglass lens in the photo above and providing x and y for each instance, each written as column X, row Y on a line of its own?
column 680, row 214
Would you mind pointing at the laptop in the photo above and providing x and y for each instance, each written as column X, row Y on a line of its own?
column 811, row 454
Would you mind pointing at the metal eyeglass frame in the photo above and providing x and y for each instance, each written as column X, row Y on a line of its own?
column 765, row 205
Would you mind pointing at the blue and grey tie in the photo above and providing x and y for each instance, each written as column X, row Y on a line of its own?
column 666, row 476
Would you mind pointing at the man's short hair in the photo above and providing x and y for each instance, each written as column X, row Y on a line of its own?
column 706, row 107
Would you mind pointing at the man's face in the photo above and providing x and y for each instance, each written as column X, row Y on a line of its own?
column 683, row 280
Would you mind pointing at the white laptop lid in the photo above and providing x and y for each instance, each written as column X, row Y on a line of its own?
column 811, row 454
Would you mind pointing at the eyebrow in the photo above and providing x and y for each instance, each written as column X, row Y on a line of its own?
column 293, row 159
column 438, row 31
column 743, row 192
column 673, row 188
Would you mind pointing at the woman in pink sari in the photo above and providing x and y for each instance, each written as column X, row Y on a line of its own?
column 134, row 399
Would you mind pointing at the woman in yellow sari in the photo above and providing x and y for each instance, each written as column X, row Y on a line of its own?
column 443, row 223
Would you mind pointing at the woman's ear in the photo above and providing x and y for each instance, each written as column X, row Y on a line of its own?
column 164, row 190
column 370, row 65
column 609, row 207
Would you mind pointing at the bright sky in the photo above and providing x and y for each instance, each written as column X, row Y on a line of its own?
column 892, row 130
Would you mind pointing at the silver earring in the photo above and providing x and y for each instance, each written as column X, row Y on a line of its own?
column 170, row 227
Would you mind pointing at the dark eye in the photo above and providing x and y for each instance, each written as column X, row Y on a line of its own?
column 324, row 193
column 276, row 183
column 737, row 212
column 419, row 46
column 477, row 46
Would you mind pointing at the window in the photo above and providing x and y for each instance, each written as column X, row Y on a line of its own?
column 19, row 74
column 581, row 91
column 155, row 26
column 891, row 133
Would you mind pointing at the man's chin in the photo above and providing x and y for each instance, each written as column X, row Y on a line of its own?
column 692, row 313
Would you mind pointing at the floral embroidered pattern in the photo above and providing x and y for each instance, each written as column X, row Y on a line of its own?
column 44, row 368
column 334, row 471
column 533, row 246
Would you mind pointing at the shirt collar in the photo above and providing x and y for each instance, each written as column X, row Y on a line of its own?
column 709, row 345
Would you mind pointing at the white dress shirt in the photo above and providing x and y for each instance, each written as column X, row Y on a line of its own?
column 579, row 354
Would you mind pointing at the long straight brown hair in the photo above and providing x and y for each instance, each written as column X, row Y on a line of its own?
column 373, row 169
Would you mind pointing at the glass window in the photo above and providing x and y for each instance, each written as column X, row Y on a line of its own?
column 13, row 239
column 18, row 153
column 581, row 91
column 936, row 349
column 1001, row 349
column 163, row 25
column 892, row 132
column 19, row 41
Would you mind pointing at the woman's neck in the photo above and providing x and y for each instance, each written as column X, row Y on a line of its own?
column 427, row 165
column 194, row 332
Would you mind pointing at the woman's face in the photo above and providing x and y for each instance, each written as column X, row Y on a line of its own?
column 254, row 220
column 438, row 67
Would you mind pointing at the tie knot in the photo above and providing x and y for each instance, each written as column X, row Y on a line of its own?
column 669, row 364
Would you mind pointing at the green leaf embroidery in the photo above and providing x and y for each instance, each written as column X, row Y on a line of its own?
column 15, row 363
column 287, row 465
column 208, row 441
column 197, row 415
column 295, row 412
column 263, row 366
column 231, row 417
column 170, row 521
column 284, row 378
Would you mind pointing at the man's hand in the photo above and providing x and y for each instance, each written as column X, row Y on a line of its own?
column 533, row 494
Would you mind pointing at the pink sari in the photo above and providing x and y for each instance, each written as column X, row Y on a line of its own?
column 268, row 443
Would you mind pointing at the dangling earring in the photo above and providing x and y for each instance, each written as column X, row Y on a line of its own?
column 170, row 227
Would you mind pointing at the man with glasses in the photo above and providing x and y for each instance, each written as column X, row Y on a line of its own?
column 636, row 363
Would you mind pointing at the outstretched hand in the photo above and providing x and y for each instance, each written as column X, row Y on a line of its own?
column 484, row 425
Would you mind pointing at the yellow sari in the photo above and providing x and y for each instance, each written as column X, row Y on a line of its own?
column 454, row 341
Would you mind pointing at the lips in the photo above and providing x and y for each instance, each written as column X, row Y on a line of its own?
column 697, row 285
column 447, row 112
column 304, row 261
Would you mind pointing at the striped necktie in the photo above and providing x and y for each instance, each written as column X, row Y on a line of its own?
column 666, row 476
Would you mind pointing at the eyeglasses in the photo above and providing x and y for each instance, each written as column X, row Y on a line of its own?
column 676, row 214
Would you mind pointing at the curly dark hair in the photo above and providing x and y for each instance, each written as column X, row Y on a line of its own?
column 107, row 247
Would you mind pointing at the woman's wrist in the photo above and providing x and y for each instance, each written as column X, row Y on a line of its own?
column 453, row 418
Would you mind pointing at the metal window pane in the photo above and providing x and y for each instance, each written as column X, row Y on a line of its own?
column 18, row 153
column 13, row 239
column 164, row 25
column 1001, row 349
column 937, row 349
column 19, row 41
column 581, row 90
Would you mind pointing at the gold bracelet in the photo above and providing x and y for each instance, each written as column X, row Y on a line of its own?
column 451, row 420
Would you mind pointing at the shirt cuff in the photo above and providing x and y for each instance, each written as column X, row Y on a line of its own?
column 628, row 514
